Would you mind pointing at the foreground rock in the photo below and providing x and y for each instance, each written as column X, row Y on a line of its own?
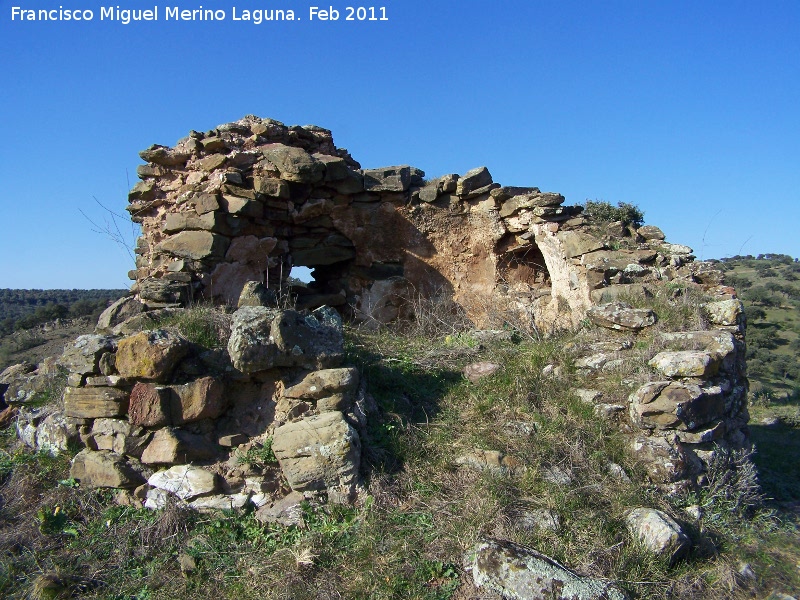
column 477, row 371
column 104, row 469
column 524, row 574
column 659, row 533
column 185, row 481
column 319, row 452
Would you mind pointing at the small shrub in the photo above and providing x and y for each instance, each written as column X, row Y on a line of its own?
column 604, row 212
column 733, row 489
column 207, row 326
column 258, row 455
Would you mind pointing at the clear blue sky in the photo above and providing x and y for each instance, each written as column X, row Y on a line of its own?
column 689, row 109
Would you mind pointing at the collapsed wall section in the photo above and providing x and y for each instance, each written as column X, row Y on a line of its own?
column 252, row 198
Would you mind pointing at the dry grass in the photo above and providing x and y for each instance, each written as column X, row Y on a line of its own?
column 421, row 510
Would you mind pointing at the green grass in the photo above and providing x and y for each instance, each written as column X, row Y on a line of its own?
column 421, row 510
column 205, row 325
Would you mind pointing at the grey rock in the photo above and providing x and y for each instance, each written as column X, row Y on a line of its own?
column 255, row 293
column 315, row 340
column 220, row 502
column 120, row 311
column 651, row 232
column 195, row 245
column 621, row 316
column 472, row 180
column 541, row 519
column 675, row 405
column 83, row 355
column 251, row 346
column 685, row 363
column 318, row 452
column 185, row 481
column 387, row 179
column 295, row 164
column 286, row 511
column 577, row 243
column 521, row 573
column 589, row 396
column 659, row 533
column 477, row 371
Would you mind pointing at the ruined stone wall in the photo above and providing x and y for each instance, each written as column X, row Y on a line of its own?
column 250, row 199
column 232, row 210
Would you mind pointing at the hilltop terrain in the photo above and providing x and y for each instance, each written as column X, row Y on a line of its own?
column 483, row 392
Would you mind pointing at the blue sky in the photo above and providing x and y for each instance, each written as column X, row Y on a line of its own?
column 689, row 109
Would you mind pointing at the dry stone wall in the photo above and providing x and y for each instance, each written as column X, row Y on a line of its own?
column 250, row 199
column 273, row 415
column 227, row 213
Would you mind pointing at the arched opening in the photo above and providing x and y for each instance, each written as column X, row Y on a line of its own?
column 322, row 261
column 522, row 271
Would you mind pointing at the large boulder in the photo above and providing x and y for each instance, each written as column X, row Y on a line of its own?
column 651, row 232
column 522, row 573
column 319, row 452
column 103, row 469
column 473, row 180
column 621, row 316
column 659, row 533
column 150, row 355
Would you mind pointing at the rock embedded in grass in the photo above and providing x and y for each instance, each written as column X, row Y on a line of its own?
column 659, row 533
column 477, row 371
column 521, row 573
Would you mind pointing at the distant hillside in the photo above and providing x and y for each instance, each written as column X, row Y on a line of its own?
column 24, row 309
column 769, row 286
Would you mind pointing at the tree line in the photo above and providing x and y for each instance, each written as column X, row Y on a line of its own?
column 25, row 309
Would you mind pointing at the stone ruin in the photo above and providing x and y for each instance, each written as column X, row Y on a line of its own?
column 225, row 215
